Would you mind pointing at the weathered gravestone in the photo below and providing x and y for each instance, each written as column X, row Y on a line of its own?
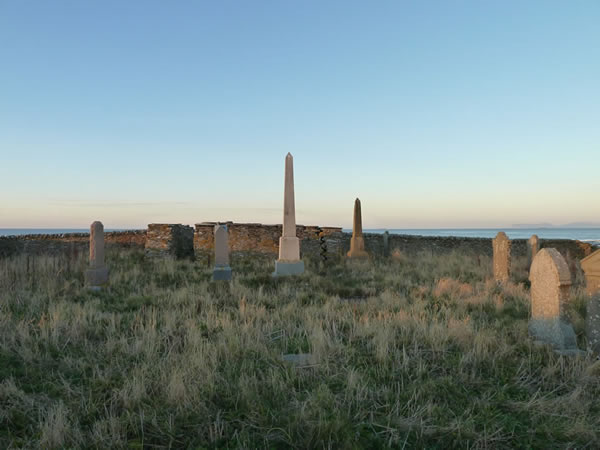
column 550, row 286
column 386, row 243
column 289, row 262
column 591, row 269
column 97, row 274
column 357, row 243
column 501, row 251
column 222, row 271
column 533, row 246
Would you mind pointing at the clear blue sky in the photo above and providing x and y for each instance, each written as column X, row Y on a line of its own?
column 434, row 113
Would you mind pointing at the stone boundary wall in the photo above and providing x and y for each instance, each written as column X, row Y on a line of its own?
column 173, row 240
column 35, row 244
column 264, row 239
column 411, row 244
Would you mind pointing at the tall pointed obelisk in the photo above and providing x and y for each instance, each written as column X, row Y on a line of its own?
column 289, row 262
column 357, row 243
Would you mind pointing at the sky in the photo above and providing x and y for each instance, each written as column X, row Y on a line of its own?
column 434, row 113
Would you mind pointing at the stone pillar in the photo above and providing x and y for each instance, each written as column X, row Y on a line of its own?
column 386, row 244
column 591, row 268
column 289, row 262
column 550, row 285
column 97, row 275
column 533, row 246
column 357, row 243
column 501, row 250
column 222, row 271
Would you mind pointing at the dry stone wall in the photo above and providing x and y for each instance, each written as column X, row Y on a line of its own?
column 35, row 244
column 169, row 240
column 264, row 239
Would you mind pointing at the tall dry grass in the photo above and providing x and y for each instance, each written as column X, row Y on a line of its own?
column 407, row 352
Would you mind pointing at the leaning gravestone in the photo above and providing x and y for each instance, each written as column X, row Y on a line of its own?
column 222, row 271
column 97, row 275
column 591, row 269
column 550, row 285
column 501, row 250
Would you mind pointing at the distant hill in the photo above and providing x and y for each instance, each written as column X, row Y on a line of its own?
column 549, row 225
column 533, row 225
column 581, row 225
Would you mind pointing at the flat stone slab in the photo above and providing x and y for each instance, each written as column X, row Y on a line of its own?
column 299, row 359
column 287, row 268
column 222, row 273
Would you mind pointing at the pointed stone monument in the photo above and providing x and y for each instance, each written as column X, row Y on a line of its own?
column 550, row 285
column 501, row 248
column 357, row 243
column 97, row 275
column 289, row 262
column 222, row 271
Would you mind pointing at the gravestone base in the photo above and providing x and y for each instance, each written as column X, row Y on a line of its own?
column 357, row 248
column 96, row 277
column 357, row 254
column 286, row 268
column 222, row 273
column 555, row 332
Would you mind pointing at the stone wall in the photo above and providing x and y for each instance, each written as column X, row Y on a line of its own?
column 264, row 239
column 173, row 240
column 35, row 244
column 410, row 244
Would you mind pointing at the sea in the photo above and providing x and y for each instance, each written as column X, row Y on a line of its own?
column 591, row 235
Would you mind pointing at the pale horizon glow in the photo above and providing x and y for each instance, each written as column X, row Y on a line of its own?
column 434, row 114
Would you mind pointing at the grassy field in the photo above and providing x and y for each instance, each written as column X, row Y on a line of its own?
column 403, row 353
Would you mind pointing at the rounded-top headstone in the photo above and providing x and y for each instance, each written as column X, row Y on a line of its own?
column 221, row 246
column 550, row 281
column 97, row 244
column 501, row 257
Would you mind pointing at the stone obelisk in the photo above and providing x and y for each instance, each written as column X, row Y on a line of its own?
column 222, row 271
column 97, row 275
column 357, row 243
column 289, row 262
